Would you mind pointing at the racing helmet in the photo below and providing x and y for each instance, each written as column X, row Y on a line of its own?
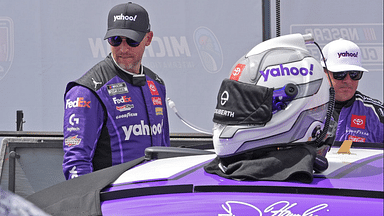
column 277, row 96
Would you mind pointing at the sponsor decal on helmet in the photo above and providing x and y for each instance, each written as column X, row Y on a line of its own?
column 235, row 75
column 225, row 113
column 123, row 99
column 152, row 87
column 358, row 121
column 79, row 102
column 224, row 98
column 157, row 101
column 117, row 88
column 142, row 129
column 286, row 71
column 72, row 141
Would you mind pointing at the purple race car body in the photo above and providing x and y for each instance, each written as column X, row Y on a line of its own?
column 352, row 185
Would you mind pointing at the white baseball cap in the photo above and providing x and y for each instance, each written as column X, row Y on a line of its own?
column 342, row 55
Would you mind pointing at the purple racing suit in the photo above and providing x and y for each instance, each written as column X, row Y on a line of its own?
column 110, row 118
column 361, row 120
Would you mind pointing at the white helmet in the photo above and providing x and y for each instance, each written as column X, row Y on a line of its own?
column 277, row 96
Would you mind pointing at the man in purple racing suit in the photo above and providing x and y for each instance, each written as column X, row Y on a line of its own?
column 360, row 118
column 118, row 108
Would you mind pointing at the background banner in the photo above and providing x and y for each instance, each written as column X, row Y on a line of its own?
column 45, row 44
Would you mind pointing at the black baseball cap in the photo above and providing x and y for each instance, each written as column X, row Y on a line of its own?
column 129, row 20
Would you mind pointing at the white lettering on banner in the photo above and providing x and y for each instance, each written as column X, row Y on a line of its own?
column 169, row 46
column 160, row 47
column 142, row 129
column 97, row 47
column 329, row 34
column 276, row 209
column 368, row 36
column 172, row 64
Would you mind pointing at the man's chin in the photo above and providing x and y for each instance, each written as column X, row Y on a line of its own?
column 126, row 66
column 344, row 97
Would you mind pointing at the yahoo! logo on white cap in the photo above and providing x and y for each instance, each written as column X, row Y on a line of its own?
column 347, row 54
column 286, row 71
column 122, row 17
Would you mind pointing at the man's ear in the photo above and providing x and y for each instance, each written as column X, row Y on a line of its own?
column 149, row 38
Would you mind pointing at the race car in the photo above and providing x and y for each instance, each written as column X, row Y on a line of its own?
column 352, row 185
column 172, row 181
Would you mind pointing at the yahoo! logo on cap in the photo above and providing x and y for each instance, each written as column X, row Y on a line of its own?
column 286, row 71
column 347, row 54
column 122, row 17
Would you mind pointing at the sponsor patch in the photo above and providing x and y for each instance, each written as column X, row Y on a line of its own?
column 125, row 107
column 123, row 99
column 356, row 138
column 142, row 129
column 157, row 101
column 152, row 87
column 126, row 115
column 70, row 129
column 358, row 121
column 117, row 88
column 72, row 141
column 73, row 120
column 235, row 75
column 79, row 102
column 159, row 110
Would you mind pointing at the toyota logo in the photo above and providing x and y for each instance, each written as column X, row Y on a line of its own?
column 236, row 71
column 224, row 98
column 358, row 121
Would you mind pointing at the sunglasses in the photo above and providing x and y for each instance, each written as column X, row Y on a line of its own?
column 117, row 40
column 355, row 75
